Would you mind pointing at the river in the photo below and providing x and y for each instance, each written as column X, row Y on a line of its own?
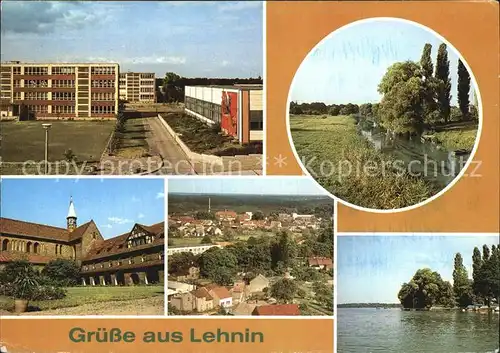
column 434, row 163
column 396, row 331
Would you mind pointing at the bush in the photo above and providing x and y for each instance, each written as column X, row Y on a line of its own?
column 48, row 293
column 62, row 272
column 12, row 270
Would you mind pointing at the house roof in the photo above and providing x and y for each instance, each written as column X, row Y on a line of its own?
column 117, row 245
column 202, row 292
column 320, row 261
column 221, row 292
column 226, row 214
column 42, row 231
column 277, row 310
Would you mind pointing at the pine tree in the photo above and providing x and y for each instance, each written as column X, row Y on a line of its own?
column 463, row 90
column 442, row 74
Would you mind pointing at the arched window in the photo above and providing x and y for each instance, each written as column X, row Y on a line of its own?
column 5, row 245
column 28, row 247
column 36, row 248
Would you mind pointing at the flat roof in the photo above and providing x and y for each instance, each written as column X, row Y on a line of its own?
column 235, row 86
column 56, row 63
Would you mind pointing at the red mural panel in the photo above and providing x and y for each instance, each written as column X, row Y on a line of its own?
column 229, row 107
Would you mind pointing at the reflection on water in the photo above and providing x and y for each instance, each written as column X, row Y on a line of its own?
column 397, row 331
column 425, row 159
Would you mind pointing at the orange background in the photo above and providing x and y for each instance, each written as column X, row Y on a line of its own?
column 280, row 335
column 294, row 28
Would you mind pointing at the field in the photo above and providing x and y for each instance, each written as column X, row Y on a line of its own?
column 349, row 167
column 88, row 297
column 25, row 140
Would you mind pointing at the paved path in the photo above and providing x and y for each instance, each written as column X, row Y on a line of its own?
column 161, row 142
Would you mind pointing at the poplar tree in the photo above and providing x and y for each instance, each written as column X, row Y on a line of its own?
column 463, row 90
column 428, row 84
column 442, row 74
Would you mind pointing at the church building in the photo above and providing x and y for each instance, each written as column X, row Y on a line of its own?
column 131, row 258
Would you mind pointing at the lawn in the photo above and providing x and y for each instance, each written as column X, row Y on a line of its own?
column 77, row 296
column 184, row 241
column 202, row 138
column 132, row 142
column 348, row 166
column 25, row 140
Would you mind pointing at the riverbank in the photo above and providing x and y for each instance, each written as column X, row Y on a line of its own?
column 349, row 166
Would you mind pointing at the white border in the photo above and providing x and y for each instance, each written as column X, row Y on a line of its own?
column 449, row 46
column 264, row 88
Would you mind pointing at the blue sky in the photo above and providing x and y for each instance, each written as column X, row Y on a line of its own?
column 371, row 269
column 114, row 204
column 253, row 186
column 348, row 66
column 203, row 39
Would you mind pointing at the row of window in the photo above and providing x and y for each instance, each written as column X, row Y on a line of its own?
column 38, row 108
column 103, row 96
column 103, row 70
column 63, row 83
column 36, row 70
column 103, row 83
column 147, row 82
column 129, row 261
column 66, row 109
column 63, row 70
column 36, row 83
column 147, row 89
column 35, row 95
column 103, row 109
column 63, row 96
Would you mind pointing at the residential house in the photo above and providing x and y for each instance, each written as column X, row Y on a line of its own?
column 320, row 263
column 226, row 216
column 258, row 284
column 184, row 302
column 238, row 292
column 277, row 310
column 203, row 300
column 221, row 296
column 191, row 273
column 243, row 309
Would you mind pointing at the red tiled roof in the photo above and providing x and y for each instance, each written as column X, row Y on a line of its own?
column 125, row 266
column 221, row 292
column 277, row 310
column 221, row 214
column 117, row 245
column 35, row 230
column 320, row 261
column 202, row 292
column 15, row 227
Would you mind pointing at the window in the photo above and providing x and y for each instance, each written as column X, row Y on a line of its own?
column 16, row 70
column 36, row 96
column 17, row 96
column 65, row 109
column 17, row 83
column 63, row 83
column 131, row 261
column 103, row 83
column 63, row 96
column 103, row 109
column 38, row 108
column 36, row 83
column 63, row 70
column 103, row 96
column 36, row 70
column 103, row 70
column 256, row 120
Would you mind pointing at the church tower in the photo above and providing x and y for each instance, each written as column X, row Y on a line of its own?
column 71, row 219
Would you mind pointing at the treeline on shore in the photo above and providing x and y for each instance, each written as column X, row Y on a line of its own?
column 173, row 85
column 427, row 288
column 415, row 96
column 369, row 305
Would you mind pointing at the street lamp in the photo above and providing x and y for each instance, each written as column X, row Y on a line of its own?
column 47, row 128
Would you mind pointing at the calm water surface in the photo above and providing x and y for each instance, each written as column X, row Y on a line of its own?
column 397, row 331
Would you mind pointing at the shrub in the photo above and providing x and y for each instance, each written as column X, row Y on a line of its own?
column 48, row 293
column 62, row 272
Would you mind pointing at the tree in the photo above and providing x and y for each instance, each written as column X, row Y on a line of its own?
column 284, row 251
column 430, row 86
column 258, row 216
column 426, row 61
column 463, row 89
column 204, row 215
column 365, row 110
column 477, row 262
column 206, row 240
column 219, row 265
column 63, row 272
column 283, row 290
column 334, row 110
column 424, row 290
column 444, row 82
column 12, row 269
column 461, row 286
column 400, row 110
column 180, row 263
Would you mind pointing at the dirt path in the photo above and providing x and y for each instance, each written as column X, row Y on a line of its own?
column 148, row 306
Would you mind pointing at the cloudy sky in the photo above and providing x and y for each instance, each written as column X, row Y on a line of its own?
column 115, row 205
column 371, row 269
column 348, row 65
column 207, row 39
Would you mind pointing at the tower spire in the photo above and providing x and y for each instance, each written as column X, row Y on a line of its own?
column 71, row 218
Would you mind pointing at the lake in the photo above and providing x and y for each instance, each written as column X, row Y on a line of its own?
column 396, row 331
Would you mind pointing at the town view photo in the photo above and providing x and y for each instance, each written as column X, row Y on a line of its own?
column 177, row 90
column 384, row 114
column 250, row 247
column 66, row 250
column 418, row 293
